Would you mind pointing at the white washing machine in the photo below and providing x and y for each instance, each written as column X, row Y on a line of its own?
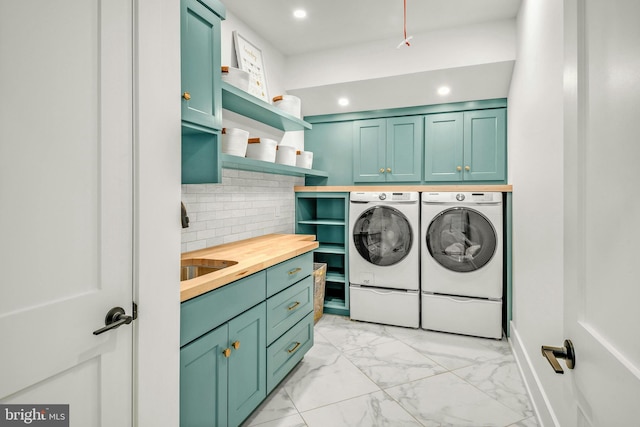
column 384, row 257
column 462, row 262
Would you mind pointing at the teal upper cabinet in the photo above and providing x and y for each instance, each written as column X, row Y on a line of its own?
column 485, row 145
column 444, row 145
column 387, row 150
column 469, row 146
column 200, row 59
column 369, row 150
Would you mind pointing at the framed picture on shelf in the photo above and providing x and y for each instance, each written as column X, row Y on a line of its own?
column 250, row 59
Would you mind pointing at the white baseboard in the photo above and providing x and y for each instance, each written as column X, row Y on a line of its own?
column 539, row 399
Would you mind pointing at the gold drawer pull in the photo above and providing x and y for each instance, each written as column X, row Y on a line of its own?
column 294, row 271
column 186, row 96
column 381, row 170
column 293, row 306
column 226, row 352
column 236, row 345
column 294, row 348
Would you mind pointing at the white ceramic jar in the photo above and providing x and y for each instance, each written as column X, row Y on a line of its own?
column 234, row 141
column 262, row 149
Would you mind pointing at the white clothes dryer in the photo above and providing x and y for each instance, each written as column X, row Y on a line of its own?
column 462, row 262
column 384, row 257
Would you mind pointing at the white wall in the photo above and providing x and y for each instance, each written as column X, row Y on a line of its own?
column 274, row 61
column 274, row 64
column 436, row 50
column 157, row 212
column 246, row 204
column 535, row 135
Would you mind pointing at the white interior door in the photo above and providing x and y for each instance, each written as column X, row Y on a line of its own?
column 66, row 205
column 602, row 241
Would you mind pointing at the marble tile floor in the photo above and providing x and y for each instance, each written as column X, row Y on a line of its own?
column 364, row 374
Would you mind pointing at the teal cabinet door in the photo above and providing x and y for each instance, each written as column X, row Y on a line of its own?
column 387, row 150
column 444, row 143
column 200, row 65
column 247, row 363
column 485, row 145
column 404, row 149
column 369, row 150
column 469, row 146
column 203, row 380
column 332, row 147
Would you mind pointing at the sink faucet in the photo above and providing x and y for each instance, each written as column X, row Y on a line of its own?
column 185, row 218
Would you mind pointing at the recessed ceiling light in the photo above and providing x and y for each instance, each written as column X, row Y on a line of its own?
column 444, row 90
column 299, row 13
column 343, row 101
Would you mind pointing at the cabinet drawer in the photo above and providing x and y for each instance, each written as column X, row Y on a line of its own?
column 288, row 350
column 201, row 314
column 289, row 306
column 287, row 273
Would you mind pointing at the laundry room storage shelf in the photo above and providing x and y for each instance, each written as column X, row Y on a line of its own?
column 239, row 101
column 242, row 163
column 324, row 214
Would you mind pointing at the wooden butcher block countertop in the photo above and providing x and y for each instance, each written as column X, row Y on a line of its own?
column 503, row 188
column 251, row 255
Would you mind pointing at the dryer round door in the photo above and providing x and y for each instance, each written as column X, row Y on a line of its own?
column 461, row 239
column 382, row 235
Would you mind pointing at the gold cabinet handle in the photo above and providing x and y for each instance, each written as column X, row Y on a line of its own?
column 459, row 168
column 236, row 345
column 389, row 170
column 293, row 306
column 381, row 170
column 467, row 168
column 295, row 347
column 186, row 96
column 294, row 271
column 226, row 352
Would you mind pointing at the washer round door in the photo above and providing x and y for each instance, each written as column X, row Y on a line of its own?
column 382, row 235
column 461, row 239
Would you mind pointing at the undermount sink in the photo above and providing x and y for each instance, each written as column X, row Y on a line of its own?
column 192, row 268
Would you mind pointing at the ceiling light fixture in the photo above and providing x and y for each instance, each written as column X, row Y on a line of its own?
column 299, row 13
column 343, row 101
column 444, row 90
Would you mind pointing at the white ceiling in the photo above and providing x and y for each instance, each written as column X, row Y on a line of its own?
column 332, row 24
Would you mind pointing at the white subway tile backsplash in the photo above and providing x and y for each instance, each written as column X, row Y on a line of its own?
column 246, row 204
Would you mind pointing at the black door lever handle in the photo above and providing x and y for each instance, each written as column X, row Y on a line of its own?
column 115, row 318
column 552, row 354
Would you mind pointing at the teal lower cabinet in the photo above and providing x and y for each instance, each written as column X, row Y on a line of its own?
column 247, row 363
column 284, row 353
column 239, row 341
column 204, row 380
column 223, row 374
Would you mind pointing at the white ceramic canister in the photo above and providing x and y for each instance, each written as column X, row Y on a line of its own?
column 234, row 141
column 304, row 159
column 289, row 104
column 262, row 149
column 286, row 155
column 235, row 77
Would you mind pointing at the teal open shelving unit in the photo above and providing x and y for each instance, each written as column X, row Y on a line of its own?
column 325, row 215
